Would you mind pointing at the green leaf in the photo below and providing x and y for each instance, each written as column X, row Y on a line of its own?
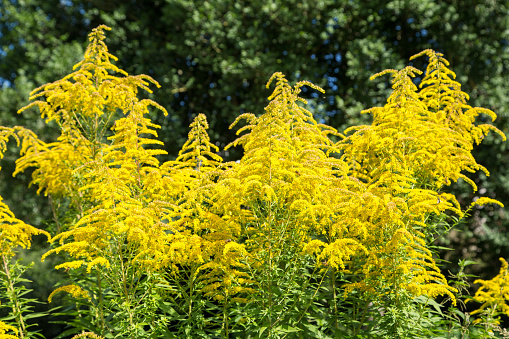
column 261, row 330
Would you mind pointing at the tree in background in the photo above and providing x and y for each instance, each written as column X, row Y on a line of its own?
column 215, row 56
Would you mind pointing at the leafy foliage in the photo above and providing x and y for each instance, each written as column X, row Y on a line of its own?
column 304, row 236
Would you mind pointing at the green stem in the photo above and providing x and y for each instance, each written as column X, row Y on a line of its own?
column 313, row 297
column 16, row 307
column 101, row 309
column 363, row 315
column 190, row 285
column 55, row 214
column 335, row 299
column 225, row 319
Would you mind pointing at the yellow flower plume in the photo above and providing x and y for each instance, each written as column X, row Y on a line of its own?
column 494, row 293
column 74, row 290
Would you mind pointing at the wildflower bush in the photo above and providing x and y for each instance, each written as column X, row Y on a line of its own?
column 312, row 234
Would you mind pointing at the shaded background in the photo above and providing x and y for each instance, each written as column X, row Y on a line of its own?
column 215, row 56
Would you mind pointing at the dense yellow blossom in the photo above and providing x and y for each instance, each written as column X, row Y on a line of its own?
column 494, row 293
column 289, row 187
column 419, row 142
column 74, row 290
column 85, row 104
column 361, row 205
column 6, row 328
column 447, row 108
column 14, row 232
column 100, row 161
column 203, row 238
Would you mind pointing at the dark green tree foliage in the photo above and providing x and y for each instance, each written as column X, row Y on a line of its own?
column 214, row 57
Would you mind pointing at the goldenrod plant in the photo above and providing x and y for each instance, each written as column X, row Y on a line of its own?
column 313, row 233
column 493, row 295
column 15, row 233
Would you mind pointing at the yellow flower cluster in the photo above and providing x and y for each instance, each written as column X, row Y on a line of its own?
column 75, row 291
column 129, row 205
column 14, row 232
column 418, row 142
column 6, row 328
column 494, row 293
column 361, row 205
column 110, row 183
column 201, row 236
column 85, row 104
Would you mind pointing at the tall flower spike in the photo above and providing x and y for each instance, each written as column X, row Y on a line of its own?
column 197, row 151
column 117, row 177
column 397, row 157
column 380, row 149
column 84, row 105
column 81, row 98
column 439, row 90
column 448, row 109
column 194, row 220
column 193, row 174
column 287, row 170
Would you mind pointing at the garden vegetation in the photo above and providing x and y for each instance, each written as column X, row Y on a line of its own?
column 314, row 233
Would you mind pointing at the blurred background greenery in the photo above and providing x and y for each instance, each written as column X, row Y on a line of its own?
column 215, row 56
